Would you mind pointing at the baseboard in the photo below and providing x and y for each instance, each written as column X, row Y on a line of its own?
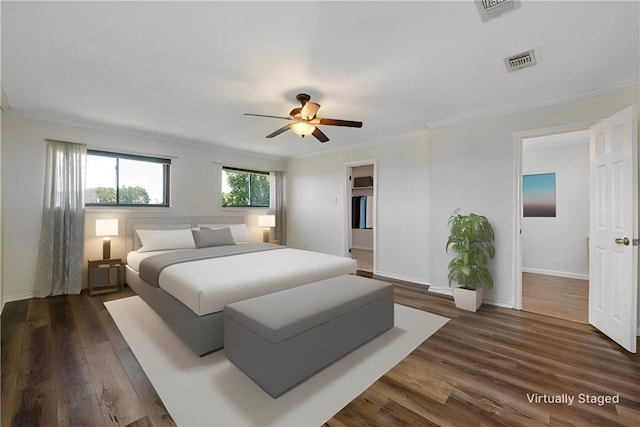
column 566, row 274
column 449, row 292
column 362, row 248
column 497, row 303
column 18, row 297
column 442, row 291
column 402, row 278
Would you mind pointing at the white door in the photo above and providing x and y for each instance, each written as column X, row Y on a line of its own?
column 613, row 255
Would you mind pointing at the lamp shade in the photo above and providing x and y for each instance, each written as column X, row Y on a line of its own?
column 106, row 227
column 302, row 128
column 266, row 220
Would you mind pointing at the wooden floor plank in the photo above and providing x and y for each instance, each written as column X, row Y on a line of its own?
column 477, row 370
column 142, row 422
column 90, row 330
column 118, row 399
column 81, row 412
column 556, row 296
column 12, row 335
column 113, row 333
column 154, row 408
column 38, row 406
column 10, row 395
column 14, row 313
column 36, row 385
column 73, row 376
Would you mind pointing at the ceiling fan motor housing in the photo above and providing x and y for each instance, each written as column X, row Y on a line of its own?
column 303, row 98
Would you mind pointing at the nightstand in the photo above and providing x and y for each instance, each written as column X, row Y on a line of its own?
column 105, row 275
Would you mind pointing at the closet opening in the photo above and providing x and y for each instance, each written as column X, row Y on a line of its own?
column 361, row 214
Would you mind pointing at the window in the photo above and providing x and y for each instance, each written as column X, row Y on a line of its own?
column 244, row 188
column 115, row 179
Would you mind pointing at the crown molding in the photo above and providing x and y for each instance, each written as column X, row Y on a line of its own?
column 536, row 104
column 171, row 139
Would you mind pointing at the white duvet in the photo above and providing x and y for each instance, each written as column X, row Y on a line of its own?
column 206, row 286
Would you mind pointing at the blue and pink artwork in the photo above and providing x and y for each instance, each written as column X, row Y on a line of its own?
column 539, row 195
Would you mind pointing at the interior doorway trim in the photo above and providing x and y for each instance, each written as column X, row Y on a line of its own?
column 347, row 207
column 518, row 138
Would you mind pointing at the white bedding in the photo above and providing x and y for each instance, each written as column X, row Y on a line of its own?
column 206, row 286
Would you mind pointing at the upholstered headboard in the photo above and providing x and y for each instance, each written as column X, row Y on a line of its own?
column 171, row 223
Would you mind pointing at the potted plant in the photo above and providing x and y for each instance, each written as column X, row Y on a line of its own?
column 471, row 241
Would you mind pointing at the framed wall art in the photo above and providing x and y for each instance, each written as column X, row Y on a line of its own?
column 539, row 195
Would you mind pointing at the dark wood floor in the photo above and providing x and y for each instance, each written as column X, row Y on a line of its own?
column 64, row 363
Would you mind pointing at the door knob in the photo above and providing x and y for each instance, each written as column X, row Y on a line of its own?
column 622, row 241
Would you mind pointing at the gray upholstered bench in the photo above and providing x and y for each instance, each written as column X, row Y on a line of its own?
column 281, row 339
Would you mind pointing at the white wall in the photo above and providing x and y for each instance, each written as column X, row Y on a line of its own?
column 317, row 215
column 195, row 189
column 2, row 299
column 2, row 96
column 473, row 169
column 558, row 245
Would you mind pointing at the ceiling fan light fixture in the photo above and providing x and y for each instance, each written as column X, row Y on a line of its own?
column 302, row 128
column 304, row 120
column 309, row 110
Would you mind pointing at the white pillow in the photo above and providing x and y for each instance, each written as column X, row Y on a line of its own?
column 158, row 240
column 239, row 232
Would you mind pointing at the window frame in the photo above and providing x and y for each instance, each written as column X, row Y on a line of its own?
column 249, row 172
column 166, row 178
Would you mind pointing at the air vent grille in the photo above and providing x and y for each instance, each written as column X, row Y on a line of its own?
column 490, row 9
column 521, row 60
column 489, row 4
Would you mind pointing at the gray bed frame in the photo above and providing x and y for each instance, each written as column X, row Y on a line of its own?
column 203, row 334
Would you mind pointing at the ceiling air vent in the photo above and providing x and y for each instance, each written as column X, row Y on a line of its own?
column 521, row 60
column 490, row 9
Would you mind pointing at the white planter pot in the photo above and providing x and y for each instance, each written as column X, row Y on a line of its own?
column 468, row 299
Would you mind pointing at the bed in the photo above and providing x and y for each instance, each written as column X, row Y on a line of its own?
column 189, row 286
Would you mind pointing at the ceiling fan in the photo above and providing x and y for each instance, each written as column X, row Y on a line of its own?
column 305, row 121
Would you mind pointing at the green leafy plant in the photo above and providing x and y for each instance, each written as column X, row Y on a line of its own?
column 471, row 240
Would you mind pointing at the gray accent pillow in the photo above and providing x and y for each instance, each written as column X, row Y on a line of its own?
column 208, row 238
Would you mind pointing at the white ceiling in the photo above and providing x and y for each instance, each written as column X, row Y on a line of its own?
column 190, row 70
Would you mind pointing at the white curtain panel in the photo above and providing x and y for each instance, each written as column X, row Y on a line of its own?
column 280, row 207
column 59, row 266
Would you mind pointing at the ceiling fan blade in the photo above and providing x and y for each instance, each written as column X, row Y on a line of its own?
column 279, row 131
column 309, row 110
column 337, row 122
column 320, row 135
column 266, row 115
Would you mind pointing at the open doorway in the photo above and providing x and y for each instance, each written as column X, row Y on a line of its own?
column 361, row 214
column 555, row 225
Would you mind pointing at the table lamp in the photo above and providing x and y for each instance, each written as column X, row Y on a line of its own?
column 106, row 228
column 266, row 222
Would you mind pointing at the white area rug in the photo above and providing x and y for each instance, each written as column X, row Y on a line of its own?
column 211, row 391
